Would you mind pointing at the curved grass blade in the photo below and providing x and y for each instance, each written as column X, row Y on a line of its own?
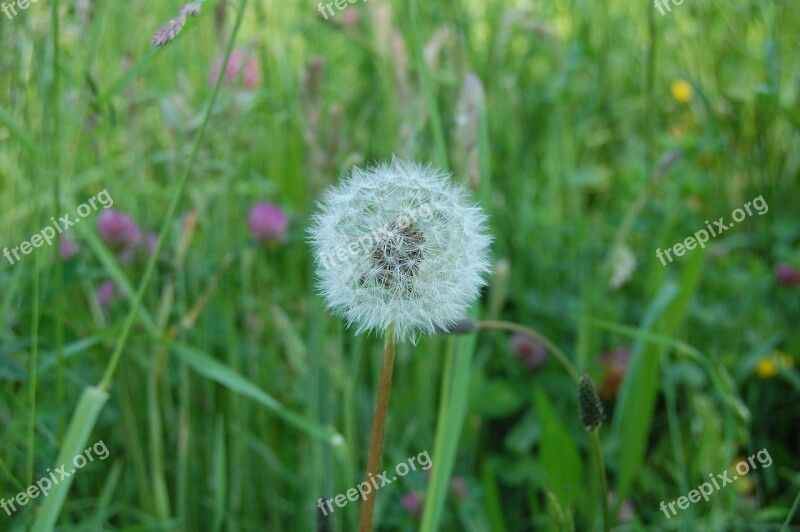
column 218, row 372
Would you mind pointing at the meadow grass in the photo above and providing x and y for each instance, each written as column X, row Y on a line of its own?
column 229, row 397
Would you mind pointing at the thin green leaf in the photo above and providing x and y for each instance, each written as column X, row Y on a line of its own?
column 559, row 456
column 452, row 412
column 83, row 421
column 218, row 372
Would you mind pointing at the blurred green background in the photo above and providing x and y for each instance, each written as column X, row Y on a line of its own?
column 593, row 133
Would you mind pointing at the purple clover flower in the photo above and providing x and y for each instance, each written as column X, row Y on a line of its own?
column 118, row 230
column 267, row 222
column 67, row 248
column 786, row 275
column 106, row 293
column 412, row 502
column 530, row 352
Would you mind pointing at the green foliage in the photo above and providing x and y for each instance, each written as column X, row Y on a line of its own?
column 234, row 401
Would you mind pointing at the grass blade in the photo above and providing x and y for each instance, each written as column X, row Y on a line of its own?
column 18, row 132
column 452, row 412
column 83, row 420
column 559, row 456
column 637, row 396
column 216, row 371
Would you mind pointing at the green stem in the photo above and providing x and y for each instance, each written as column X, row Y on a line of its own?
column 378, row 429
column 649, row 81
column 785, row 527
column 560, row 357
column 157, row 482
column 440, row 147
column 56, row 166
column 34, row 362
column 170, row 215
column 601, row 472
column 453, row 405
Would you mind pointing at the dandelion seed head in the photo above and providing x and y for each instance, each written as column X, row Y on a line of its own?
column 400, row 244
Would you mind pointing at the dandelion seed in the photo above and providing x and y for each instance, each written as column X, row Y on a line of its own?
column 407, row 249
column 462, row 326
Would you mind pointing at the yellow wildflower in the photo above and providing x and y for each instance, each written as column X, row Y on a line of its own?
column 766, row 368
column 682, row 90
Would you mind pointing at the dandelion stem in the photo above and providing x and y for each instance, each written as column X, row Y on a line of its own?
column 601, row 472
column 378, row 429
column 533, row 333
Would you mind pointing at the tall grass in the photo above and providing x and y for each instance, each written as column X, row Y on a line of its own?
column 230, row 400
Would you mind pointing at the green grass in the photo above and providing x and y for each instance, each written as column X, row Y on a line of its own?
column 235, row 400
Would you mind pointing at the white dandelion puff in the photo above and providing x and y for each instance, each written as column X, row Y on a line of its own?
column 400, row 244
